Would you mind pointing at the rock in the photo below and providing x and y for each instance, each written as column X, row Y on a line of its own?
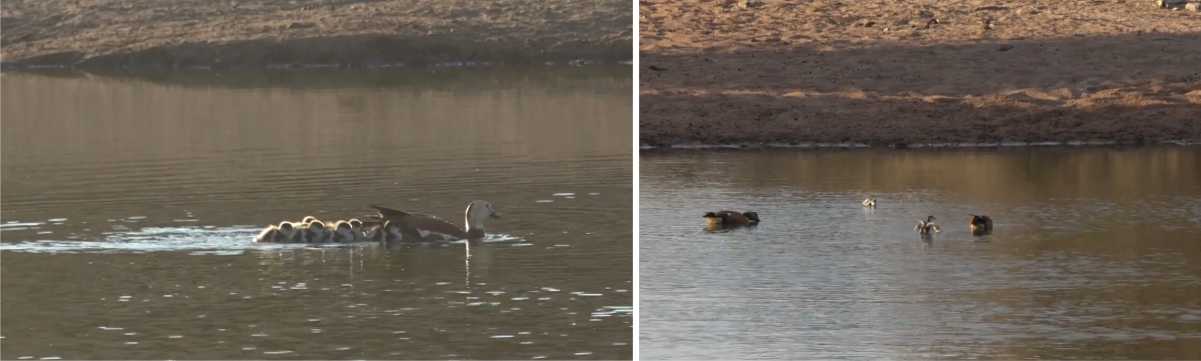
column 1193, row 7
column 746, row 4
column 1005, row 47
column 1171, row 3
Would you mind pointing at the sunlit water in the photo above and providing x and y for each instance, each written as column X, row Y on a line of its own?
column 1096, row 253
column 130, row 207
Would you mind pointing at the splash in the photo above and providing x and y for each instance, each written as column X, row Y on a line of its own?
column 202, row 240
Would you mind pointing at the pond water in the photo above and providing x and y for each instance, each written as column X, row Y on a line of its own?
column 1095, row 253
column 130, row 205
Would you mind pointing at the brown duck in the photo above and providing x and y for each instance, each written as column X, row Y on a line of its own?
column 730, row 219
column 980, row 224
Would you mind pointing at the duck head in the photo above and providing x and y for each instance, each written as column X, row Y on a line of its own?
column 477, row 213
column 751, row 217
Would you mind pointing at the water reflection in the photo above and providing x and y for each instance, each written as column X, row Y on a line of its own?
column 1092, row 255
column 130, row 206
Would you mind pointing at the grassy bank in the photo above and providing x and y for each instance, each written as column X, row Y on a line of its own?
column 237, row 34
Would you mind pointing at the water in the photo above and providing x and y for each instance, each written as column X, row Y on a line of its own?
column 130, row 206
column 1096, row 253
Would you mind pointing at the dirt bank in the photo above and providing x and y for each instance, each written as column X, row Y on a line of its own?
column 918, row 71
column 348, row 33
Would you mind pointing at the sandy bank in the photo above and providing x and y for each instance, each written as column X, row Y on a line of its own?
column 913, row 71
column 145, row 34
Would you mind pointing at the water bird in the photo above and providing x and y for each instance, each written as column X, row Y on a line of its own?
column 416, row 227
column 980, row 224
column 356, row 226
column 308, row 219
column 725, row 219
column 387, row 232
column 343, row 232
column 283, row 233
column 925, row 227
column 869, row 202
column 316, row 232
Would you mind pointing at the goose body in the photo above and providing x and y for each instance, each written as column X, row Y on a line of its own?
column 416, row 227
column 728, row 219
column 927, row 226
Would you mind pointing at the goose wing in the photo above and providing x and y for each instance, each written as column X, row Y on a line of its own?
column 424, row 225
column 389, row 213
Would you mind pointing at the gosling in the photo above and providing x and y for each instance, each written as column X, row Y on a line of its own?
column 343, row 232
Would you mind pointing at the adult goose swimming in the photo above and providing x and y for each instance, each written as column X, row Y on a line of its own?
column 416, row 227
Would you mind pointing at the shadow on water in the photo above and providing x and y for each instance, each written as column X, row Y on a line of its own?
column 1093, row 254
column 130, row 208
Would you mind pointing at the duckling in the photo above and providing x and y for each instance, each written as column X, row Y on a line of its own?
column 980, row 224
column 869, row 202
column 356, row 227
column 728, row 219
column 268, row 235
column 384, row 233
column 289, row 233
column 343, row 232
column 416, row 227
column 925, row 227
column 316, row 232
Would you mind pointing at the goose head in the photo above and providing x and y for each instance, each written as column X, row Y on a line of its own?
column 477, row 213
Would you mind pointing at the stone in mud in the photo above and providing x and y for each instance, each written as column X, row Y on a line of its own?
column 1171, row 3
column 746, row 4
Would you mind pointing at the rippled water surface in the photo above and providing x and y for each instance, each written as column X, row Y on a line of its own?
column 130, row 205
column 1096, row 253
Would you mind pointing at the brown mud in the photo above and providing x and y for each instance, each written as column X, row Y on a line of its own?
column 249, row 34
column 917, row 72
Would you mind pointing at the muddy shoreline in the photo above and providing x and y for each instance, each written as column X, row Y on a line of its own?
column 276, row 34
column 715, row 72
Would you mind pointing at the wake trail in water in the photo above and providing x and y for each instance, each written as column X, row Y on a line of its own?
column 204, row 240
